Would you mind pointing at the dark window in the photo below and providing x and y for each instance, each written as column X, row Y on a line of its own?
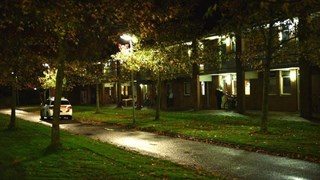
column 187, row 88
column 273, row 83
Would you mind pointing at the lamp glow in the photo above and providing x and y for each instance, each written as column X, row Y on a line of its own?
column 129, row 38
column 228, row 79
column 293, row 75
column 228, row 41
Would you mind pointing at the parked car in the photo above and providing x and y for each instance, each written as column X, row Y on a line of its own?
column 46, row 111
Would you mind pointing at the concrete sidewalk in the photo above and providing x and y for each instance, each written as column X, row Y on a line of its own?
column 228, row 162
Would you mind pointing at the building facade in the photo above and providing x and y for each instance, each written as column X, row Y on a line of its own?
column 218, row 71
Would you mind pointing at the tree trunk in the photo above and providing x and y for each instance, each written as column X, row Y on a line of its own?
column 266, row 78
column 305, row 89
column 305, row 71
column 195, row 77
column 240, row 77
column 139, row 92
column 196, row 87
column 265, row 99
column 158, row 98
column 133, row 98
column 97, row 99
column 119, row 96
column 12, row 123
column 55, row 130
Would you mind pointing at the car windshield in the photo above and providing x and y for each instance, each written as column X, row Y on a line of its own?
column 63, row 102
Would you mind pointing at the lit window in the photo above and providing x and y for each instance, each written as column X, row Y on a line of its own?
column 228, row 44
column 201, row 67
column 228, row 79
column 247, row 87
column 203, row 88
column 284, row 35
column 124, row 90
column 285, row 82
column 234, row 86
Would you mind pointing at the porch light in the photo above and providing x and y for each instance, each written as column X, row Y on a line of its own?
column 293, row 75
column 189, row 52
column 228, row 41
column 280, row 36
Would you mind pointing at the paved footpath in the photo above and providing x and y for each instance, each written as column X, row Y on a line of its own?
column 228, row 162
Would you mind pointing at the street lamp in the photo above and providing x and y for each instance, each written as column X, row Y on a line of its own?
column 131, row 40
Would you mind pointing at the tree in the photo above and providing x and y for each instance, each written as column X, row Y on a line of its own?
column 270, row 14
column 189, row 26
column 171, row 23
column 164, row 63
column 72, row 30
column 168, row 63
column 264, row 37
column 308, row 34
column 48, row 80
column 88, row 73
column 20, row 64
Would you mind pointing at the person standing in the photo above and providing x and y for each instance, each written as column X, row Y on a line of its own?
column 219, row 94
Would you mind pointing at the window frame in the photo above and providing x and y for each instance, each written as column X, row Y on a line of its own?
column 287, row 77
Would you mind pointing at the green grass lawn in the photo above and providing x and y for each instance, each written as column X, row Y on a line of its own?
column 286, row 138
column 23, row 156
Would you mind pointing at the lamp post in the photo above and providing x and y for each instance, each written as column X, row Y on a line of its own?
column 131, row 39
column 46, row 65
